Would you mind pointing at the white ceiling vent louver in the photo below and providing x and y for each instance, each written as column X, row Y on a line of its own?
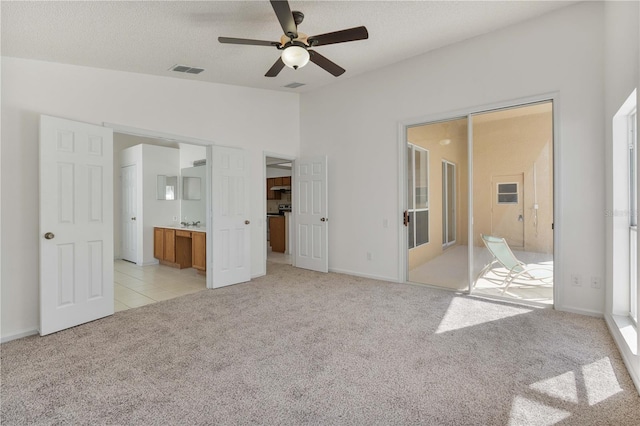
column 294, row 85
column 186, row 69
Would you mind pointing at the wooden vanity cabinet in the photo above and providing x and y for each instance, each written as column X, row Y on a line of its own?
column 180, row 248
column 199, row 250
column 164, row 245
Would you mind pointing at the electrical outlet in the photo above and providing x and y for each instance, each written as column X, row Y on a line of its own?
column 596, row 282
column 369, row 256
column 576, row 280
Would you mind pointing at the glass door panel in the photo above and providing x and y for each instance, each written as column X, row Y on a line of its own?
column 513, row 203
column 437, row 204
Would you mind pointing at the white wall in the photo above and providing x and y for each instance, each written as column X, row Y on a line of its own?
column 156, row 160
column 190, row 153
column 217, row 113
column 277, row 172
column 355, row 122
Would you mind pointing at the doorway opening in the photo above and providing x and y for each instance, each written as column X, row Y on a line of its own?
column 483, row 184
column 278, row 199
column 437, row 204
column 160, row 220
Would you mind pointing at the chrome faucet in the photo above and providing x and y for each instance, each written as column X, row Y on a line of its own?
column 196, row 224
column 185, row 224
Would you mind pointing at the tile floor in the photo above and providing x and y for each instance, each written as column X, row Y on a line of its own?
column 449, row 270
column 274, row 256
column 141, row 285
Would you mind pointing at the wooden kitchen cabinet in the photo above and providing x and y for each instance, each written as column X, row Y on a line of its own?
column 273, row 195
column 277, row 234
column 199, row 250
column 286, row 181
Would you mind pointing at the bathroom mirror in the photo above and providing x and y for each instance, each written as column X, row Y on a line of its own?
column 191, row 188
column 167, row 187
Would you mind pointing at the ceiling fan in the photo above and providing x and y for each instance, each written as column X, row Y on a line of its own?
column 295, row 45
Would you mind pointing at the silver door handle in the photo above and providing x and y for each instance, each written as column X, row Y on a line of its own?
column 49, row 236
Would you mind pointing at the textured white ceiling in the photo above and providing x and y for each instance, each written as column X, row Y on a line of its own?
column 149, row 37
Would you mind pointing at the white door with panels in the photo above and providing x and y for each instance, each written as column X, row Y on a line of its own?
column 311, row 220
column 231, row 260
column 129, row 215
column 76, row 223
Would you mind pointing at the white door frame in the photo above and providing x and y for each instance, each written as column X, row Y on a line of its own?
column 124, row 222
column 468, row 113
column 445, row 192
column 292, row 226
column 119, row 128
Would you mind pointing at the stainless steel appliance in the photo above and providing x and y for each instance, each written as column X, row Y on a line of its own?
column 283, row 208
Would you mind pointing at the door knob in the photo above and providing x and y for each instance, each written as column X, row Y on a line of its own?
column 324, row 219
column 133, row 218
column 246, row 222
column 49, row 235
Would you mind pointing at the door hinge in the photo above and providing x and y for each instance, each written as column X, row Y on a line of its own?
column 406, row 218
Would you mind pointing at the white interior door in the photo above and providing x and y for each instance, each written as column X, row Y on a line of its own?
column 129, row 216
column 310, row 211
column 76, row 223
column 231, row 260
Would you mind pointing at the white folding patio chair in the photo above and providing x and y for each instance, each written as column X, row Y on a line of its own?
column 502, row 255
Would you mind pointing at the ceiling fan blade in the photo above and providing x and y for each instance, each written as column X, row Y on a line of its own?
column 232, row 40
column 275, row 68
column 351, row 34
column 283, row 12
column 325, row 64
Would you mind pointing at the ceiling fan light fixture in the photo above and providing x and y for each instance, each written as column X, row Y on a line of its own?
column 295, row 56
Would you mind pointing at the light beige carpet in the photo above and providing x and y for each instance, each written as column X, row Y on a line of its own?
column 298, row 347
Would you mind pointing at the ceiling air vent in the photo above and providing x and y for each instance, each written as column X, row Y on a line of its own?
column 294, row 85
column 188, row 70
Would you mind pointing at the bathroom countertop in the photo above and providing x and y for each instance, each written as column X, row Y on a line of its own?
column 185, row 228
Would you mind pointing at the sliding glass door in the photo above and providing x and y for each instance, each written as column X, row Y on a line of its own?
column 513, row 203
column 500, row 165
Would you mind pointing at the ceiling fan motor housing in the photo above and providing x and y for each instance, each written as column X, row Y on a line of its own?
column 298, row 17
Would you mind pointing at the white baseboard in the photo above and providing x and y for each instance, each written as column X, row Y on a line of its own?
column 359, row 274
column 630, row 360
column 19, row 335
column 587, row 312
